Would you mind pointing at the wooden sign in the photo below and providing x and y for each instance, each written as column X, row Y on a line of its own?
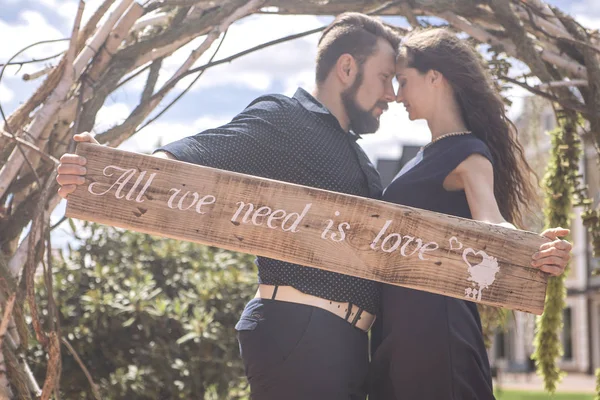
column 347, row 234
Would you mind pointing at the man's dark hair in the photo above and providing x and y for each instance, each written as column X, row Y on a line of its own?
column 351, row 33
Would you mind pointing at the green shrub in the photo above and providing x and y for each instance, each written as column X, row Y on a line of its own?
column 151, row 318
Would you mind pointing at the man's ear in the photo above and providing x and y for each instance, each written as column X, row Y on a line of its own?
column 346, row 69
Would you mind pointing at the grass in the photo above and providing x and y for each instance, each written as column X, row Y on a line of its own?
column 520, row 395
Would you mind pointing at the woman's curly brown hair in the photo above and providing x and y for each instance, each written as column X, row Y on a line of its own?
column 482, row 110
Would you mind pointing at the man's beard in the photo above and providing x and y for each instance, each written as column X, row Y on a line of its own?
column 361, row 121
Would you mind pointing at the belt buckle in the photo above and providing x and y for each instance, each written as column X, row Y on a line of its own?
column 356, row 317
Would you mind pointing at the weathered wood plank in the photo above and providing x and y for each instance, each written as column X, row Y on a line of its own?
column 342, row 233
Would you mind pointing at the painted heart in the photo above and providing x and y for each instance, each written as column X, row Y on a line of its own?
column 453, row 241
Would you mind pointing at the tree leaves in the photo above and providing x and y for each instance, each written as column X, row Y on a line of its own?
column 151, row 318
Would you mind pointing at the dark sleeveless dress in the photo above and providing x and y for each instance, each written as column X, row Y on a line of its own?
column 428, row 346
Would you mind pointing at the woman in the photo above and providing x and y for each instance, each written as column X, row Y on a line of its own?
column 431, row 346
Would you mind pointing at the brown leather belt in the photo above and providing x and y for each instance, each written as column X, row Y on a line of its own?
column 349, row 312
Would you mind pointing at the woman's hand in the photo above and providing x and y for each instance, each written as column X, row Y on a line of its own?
column 553, row 257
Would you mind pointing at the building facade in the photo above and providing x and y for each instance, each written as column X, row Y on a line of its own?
column 511, row 348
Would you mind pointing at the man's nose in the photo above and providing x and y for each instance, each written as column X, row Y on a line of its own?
column 389, row 95
column 399, row 96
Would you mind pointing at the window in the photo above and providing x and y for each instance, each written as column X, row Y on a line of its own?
column 567, row 334
column 549, row 122
column 500, row 345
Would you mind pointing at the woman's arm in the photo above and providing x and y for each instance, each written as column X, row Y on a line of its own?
column 475, row 175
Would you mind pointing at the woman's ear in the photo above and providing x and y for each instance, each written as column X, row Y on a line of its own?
column 434, row 77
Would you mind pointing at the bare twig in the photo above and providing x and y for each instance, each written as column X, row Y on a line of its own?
column 30, row 146
column 252, row 50
column 19, row 258
column 77, row 121
column 152, row 79
column 37, row 228
column 561, row 61
column 93, row 385
column 13, row 165
column 180, row 95
column 161, row 19
column 9, row 62
column 35, row 60
column 574, row 82
column 22, row 113
column 182, row 3
column 91, row 24
column 20, row 148
column 382, row 7
column 113, row 42
column 59, row 222
column 99, row 38
column 6, row 316
column 579, row 107
column 133, row 76
column 551, row 30
column 409, row 14
column 117, row 135
column 35, row 75
column 54, row 366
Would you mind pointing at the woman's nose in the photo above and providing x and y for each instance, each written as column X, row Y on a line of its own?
column 389, row 95
column 399, row 96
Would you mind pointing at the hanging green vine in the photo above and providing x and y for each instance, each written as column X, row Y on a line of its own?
column 589, row 216
column 597, row 384
column 560, row 182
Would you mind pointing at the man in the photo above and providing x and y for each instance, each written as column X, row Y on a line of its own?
column 304, row 336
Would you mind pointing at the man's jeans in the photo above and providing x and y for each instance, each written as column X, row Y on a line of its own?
column 293, row 351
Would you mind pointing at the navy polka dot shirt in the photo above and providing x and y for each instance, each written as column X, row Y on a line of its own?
column 296, row 140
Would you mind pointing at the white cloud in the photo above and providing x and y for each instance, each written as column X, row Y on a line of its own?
column 68, row 9
column 48, row 3
column 585, row 8
column 31, row 27
column 589, row 21
column 291, row 63
column 395, row 130
column 6, row 94
column 111, row 115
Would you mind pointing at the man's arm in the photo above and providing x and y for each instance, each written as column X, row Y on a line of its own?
column 71, row 170
column 165, row 155
column 247, row 144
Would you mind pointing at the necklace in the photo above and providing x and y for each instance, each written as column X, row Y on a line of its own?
column 445, row 135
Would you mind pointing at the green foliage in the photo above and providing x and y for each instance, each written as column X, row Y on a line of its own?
column 493, row 319
column 151, row 318
column 559, row 185
column 527, row 395
column 597, row 384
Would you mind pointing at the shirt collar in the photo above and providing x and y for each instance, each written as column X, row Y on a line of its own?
column 311, row 104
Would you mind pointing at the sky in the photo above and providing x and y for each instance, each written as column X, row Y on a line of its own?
column 222, row 91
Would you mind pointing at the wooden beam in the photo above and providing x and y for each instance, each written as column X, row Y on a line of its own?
column 347, row 234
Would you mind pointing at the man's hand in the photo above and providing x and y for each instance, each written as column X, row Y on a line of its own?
column 553, row 257
column 71, row 170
